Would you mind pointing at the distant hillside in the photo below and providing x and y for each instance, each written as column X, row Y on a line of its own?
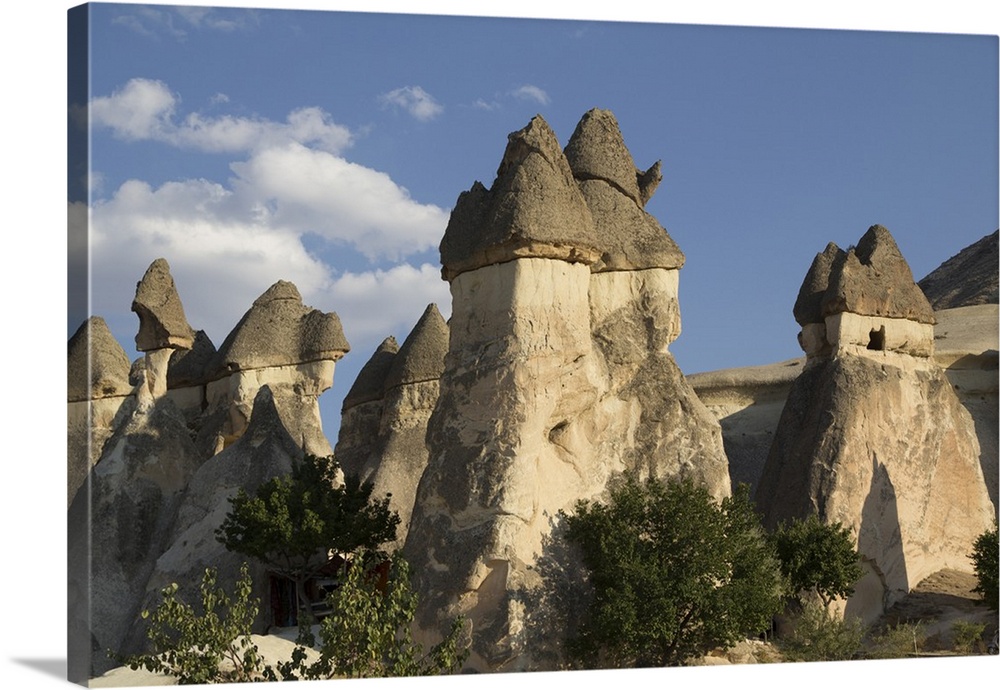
column 966, row 279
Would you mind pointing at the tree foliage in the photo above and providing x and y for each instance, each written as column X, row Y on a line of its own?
column 296, row 523
column 674, row 573
column 368, row 633
column 985, row 561
column 818, row 557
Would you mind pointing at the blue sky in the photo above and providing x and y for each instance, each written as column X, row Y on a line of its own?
column 690, row 203
column 327, row 148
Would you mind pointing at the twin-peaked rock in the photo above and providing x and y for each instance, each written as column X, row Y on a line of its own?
column 872, row 434
column 557, row 377
column 385, row 414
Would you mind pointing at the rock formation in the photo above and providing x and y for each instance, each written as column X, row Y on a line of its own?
column 968, row 278
column 146, row 510
column 557, row 377
column 385, row 415
column 872, row 434
column 97, row 387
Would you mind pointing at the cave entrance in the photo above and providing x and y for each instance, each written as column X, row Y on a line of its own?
column 876, row 339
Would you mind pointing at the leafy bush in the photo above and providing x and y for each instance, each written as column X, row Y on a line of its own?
column 213, row 646
column 968, row 637
column 821, row 636
column 674, row 573
column 818, row 557
column 985, row 558
column 900, row 640
column 368, row 634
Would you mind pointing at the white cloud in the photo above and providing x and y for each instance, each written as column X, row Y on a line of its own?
column 317, row 192
column 481, row 104
column 176, row 21
column 145, row 109
column 376, row 304
column 413, row 100
column 529, row 92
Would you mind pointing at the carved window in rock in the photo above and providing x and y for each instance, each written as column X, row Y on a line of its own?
column 876, row 339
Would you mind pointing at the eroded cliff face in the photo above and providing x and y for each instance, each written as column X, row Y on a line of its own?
column 872, row 434
column 557, row 377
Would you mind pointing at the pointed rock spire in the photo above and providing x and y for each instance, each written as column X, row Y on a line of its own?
column 616, row 193
column 97, row 365
column 162, row 322
column 533, row 209
column 807, row 306
column 371, row 379
column 421, row 356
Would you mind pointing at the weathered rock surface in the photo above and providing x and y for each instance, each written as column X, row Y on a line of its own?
column 616, row 193
column 361, row 413
column 966, row 347
column 264, row 451
column 884, row 447
column 412, row 387
column 748, row 402
column 161, row 315
column 873, row 279
column 283, row 344
column 557, row 377
column 968, row 278
column 97, row 387
column 874, row 436
column 145, row 512
column 279, row 330
column 128, row 502
column 533, row 209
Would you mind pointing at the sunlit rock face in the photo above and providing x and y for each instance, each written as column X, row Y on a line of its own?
column 557, row 377
column 872, row 434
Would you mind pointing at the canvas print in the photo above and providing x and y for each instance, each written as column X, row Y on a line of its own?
column 404, row 345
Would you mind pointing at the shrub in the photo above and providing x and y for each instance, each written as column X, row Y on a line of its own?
column 213, row 646
column 984, row 558
column 895, row 642
column 821, row 636
column 968, row 637
column 674, row 573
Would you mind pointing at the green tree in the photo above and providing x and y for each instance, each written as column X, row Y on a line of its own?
column 211, row 646
column 818, row 557
column 984, row 559
column 368, row 633
column 295, row 524
column 674, row 573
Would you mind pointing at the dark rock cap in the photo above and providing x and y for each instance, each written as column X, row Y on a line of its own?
column 966, row 279
column 279, row 330
column 533, row 209
column 161, row 315
column 108, row 364
column 370, row 383
column 192, row 367
column 421, row 356
column 616, row 193
column 807, row 306
column 874, row 279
